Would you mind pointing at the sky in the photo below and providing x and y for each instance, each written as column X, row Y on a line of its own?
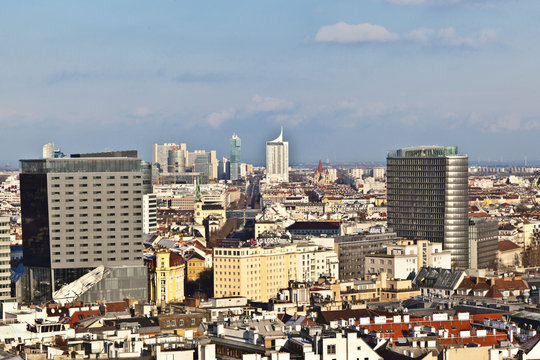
column 348, row 80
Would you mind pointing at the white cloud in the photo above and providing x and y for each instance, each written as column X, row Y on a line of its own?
column 449, row 37
column 347, row 34
column 142, row 111
column 268, row 104
column 217, row 118
column 420, row 35
column 344, row 33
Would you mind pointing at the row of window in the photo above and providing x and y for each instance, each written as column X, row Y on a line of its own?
column 98, row 259
column 86, row 230
column 96, row 177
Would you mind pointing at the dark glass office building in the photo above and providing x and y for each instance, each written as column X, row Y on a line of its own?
column 427, row 191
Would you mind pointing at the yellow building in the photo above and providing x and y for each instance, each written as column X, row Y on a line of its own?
column 202, row 211
column 256, row 273
column 168, row 277
column 262, row 226
column 194, row 267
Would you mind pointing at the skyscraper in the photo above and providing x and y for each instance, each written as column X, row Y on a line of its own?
column 427, row 191
column 48, row 150
column 82, row 212
column 236, row 144
column 160, row 154
column 277, row 159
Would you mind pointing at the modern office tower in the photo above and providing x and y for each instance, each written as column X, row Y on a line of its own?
column 48, row 150
column 176, row 160
column 236, row 144
column 224, row 169
column 204, row 162
column 5, row 257
column 428, row 199
column 277, row 159
column 484, row 243
column 80, row 213
column 160, row 154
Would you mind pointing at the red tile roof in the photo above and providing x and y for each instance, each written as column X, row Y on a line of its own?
column 507, row 245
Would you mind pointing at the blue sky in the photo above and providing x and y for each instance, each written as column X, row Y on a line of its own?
column 348, row 80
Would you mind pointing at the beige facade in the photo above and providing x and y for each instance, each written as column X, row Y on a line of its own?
column 202, row 211
column 262, row 226
column 256, row 273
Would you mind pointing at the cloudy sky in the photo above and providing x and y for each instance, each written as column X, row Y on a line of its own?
column 348, row 80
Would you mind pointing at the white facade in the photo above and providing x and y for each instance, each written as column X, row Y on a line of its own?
column 314, row 262
column 5, row 254
column 396, row 266
column 160, row 154
column 379, row 173
column 48, row 150
column 401, row 259
column 277, row 159
column 149, row 213
column 349, row 346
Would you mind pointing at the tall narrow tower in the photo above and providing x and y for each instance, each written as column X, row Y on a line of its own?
column 427, row 192
column 277, row 159
column 236, row 144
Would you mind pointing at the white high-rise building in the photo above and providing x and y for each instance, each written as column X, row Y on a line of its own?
column 160, row 154
column 48, row 150
column 5, row 282
column 277, row 159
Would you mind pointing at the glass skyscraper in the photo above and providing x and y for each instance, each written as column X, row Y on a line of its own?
column 236, row 145
column 427, row 191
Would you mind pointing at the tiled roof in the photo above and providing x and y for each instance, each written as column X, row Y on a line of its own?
column 507, row 245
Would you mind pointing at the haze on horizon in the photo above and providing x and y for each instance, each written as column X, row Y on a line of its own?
column 348, row 80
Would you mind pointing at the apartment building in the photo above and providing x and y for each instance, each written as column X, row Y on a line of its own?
column 255, row 272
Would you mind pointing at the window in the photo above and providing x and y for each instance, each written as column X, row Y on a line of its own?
column 331, row 349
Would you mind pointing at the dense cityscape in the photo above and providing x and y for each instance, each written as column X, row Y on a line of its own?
column 189, row 256
column 270, row 180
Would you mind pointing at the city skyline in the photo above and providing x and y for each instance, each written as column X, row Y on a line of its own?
column 357, row 78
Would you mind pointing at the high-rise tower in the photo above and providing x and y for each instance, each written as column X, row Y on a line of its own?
column 236, row 144
column 80, row 213
column 277, row 159
column 427, row 191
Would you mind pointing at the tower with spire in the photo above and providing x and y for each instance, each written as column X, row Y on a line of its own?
column 277, row 159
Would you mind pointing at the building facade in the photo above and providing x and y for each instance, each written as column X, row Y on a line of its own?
column 79, row 213
column 315, row 262
column 149, row 213
column 168, row 278
column 483, row 237
column 353, row 249
column 427, row 190
column 257, row 273
column 160, row 154
column 235, row 162
column 5, row 260
column 277, row 159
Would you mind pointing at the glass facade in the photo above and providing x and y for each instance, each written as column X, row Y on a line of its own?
column 427, row 190
column 236, row 145
column 35, row 220
column 43, row 166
